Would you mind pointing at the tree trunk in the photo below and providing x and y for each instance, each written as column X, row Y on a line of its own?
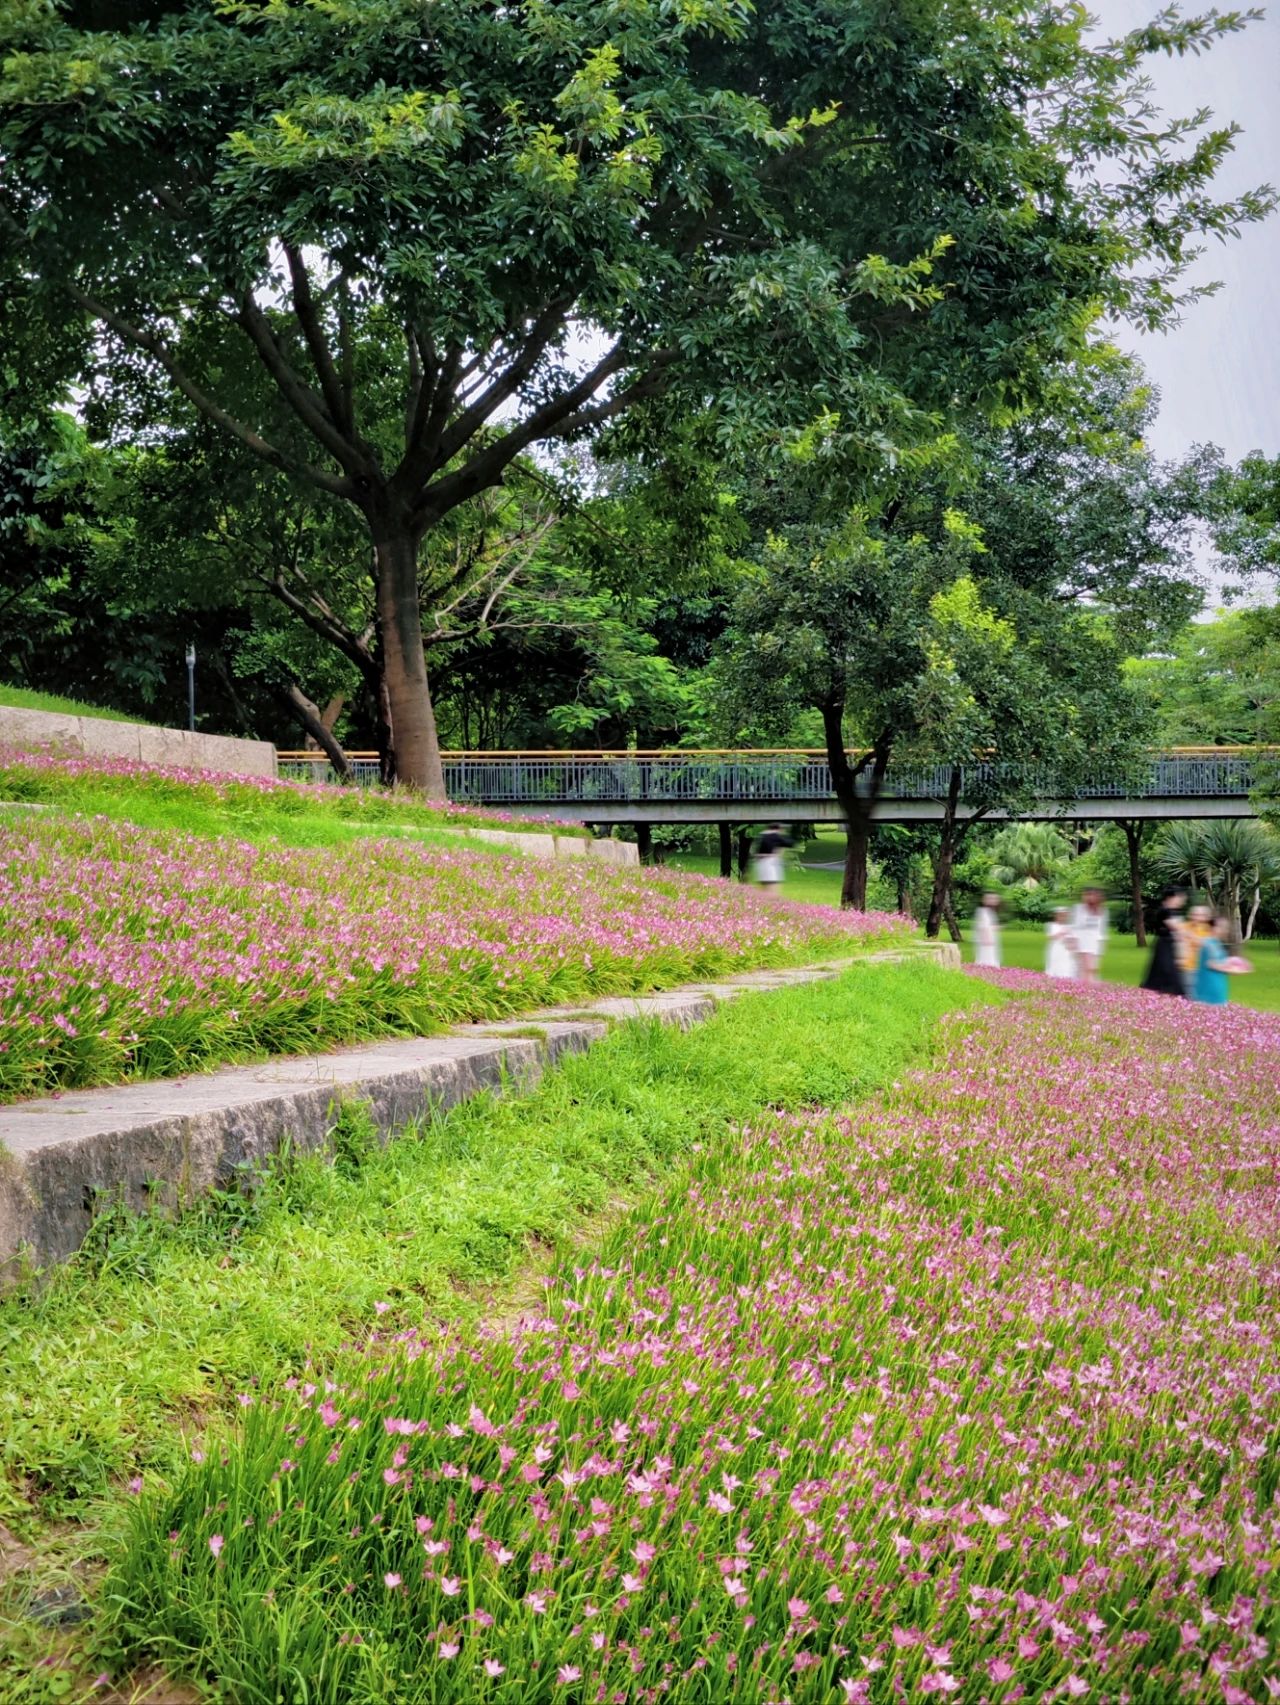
column 744, row 852
column 1253, row 913
column 944, row 863
column 856, row 805
column 415, row 745
column 316, row 728
column 904, row 897
column 726, row 849
column 644, row 840
column 1134, row 830
column 953, row 928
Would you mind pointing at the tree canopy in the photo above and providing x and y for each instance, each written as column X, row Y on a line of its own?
column 390, row 251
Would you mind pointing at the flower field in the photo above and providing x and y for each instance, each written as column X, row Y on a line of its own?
column 127, row 952
column 974, row 1393
column 45, row 776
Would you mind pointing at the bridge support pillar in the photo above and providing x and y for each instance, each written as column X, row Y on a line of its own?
column 644, row 840
column 726, row 849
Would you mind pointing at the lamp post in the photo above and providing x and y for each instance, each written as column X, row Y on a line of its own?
column 191, row 687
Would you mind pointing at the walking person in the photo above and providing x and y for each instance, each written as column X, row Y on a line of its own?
column 1089, row 926
column 1164, row 976
column 770, row 868
column 1215, row 964
column 986, row 932
column 1060, row 955
column 1195, row 932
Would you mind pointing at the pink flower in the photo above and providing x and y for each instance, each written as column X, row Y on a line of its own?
column 567, row 1673
column 450, row 1585
column 135, row 1485
column 1076, row 1686
column 999, row 1669
column 449, row 1649
column 938, row 1681
column 216, row 1542
column 390, row 1580
column 493, row 1668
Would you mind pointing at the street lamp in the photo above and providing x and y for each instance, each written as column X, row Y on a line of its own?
column 191, row 687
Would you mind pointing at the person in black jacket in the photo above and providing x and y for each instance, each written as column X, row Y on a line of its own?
column 1164, row 977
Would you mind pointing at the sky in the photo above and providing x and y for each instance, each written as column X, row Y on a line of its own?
column 1218, row 371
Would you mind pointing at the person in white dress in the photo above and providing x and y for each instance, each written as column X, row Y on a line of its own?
column 1060, row 956
column 1089, row 926
column 986, row 932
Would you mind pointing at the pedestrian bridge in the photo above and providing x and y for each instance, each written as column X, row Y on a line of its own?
column 795, row 786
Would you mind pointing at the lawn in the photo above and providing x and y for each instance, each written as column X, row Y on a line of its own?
column 119, row 1362
column 968, row 1390
column 130, row 951
column 21, row 698
column 1024, row 944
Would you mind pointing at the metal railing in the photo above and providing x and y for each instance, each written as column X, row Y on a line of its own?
column 642, row 778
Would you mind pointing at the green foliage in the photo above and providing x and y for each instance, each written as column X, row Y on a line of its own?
column 1235, row 861
column 1029, row 855
column 365, row 254
column 1218, row 683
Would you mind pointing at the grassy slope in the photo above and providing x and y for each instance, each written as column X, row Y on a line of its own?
column 19, row 698
column 287, row 816
column 1124, row 963
column 115, row 1360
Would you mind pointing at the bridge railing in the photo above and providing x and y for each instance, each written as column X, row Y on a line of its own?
column 586, row 778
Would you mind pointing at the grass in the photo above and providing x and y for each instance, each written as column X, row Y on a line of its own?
column 1125, row 963
column 972, row 1392
column 291, row 814
column 118, row 1361
column 20, row 698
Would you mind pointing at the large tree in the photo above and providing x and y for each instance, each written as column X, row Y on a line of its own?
column 1072, row 538
column 440, row 235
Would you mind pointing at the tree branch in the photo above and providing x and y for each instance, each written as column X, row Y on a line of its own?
column 200, row 399
column 565, row 414
column 299, row 396
column 337, row 398
column 549, row 323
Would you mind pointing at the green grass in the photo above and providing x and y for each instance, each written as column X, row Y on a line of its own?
column 112, row 1360
column 280, row 815
column 1125, row 962
column 20, row 698
column 1024, row 944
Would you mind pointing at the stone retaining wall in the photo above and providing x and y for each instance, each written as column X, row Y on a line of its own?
column 97, row 737
column 537, row 845
column 159, row 1145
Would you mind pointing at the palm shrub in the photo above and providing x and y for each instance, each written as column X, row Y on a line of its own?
column 1235, row 861
column 1029, row 855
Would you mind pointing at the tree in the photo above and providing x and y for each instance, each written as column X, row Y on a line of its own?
column 435, row 240
column 949, row 635
column 1029, row 855
column 1234, row 860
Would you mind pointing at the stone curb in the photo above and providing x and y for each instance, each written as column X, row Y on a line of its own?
column 159, row 1145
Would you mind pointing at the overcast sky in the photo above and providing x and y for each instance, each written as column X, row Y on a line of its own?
column 1219, row 370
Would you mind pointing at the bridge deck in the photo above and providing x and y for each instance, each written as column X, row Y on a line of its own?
column 795, row 786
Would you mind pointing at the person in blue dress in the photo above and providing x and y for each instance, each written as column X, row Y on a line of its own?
column 1215, row 963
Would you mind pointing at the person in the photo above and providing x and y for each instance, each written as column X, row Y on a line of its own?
column 1163, row 975
column 1214, row 964
column 1198, row 929
column 1060, row 957
column 986, row 931
column 769, row 868
column 1089, row 926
